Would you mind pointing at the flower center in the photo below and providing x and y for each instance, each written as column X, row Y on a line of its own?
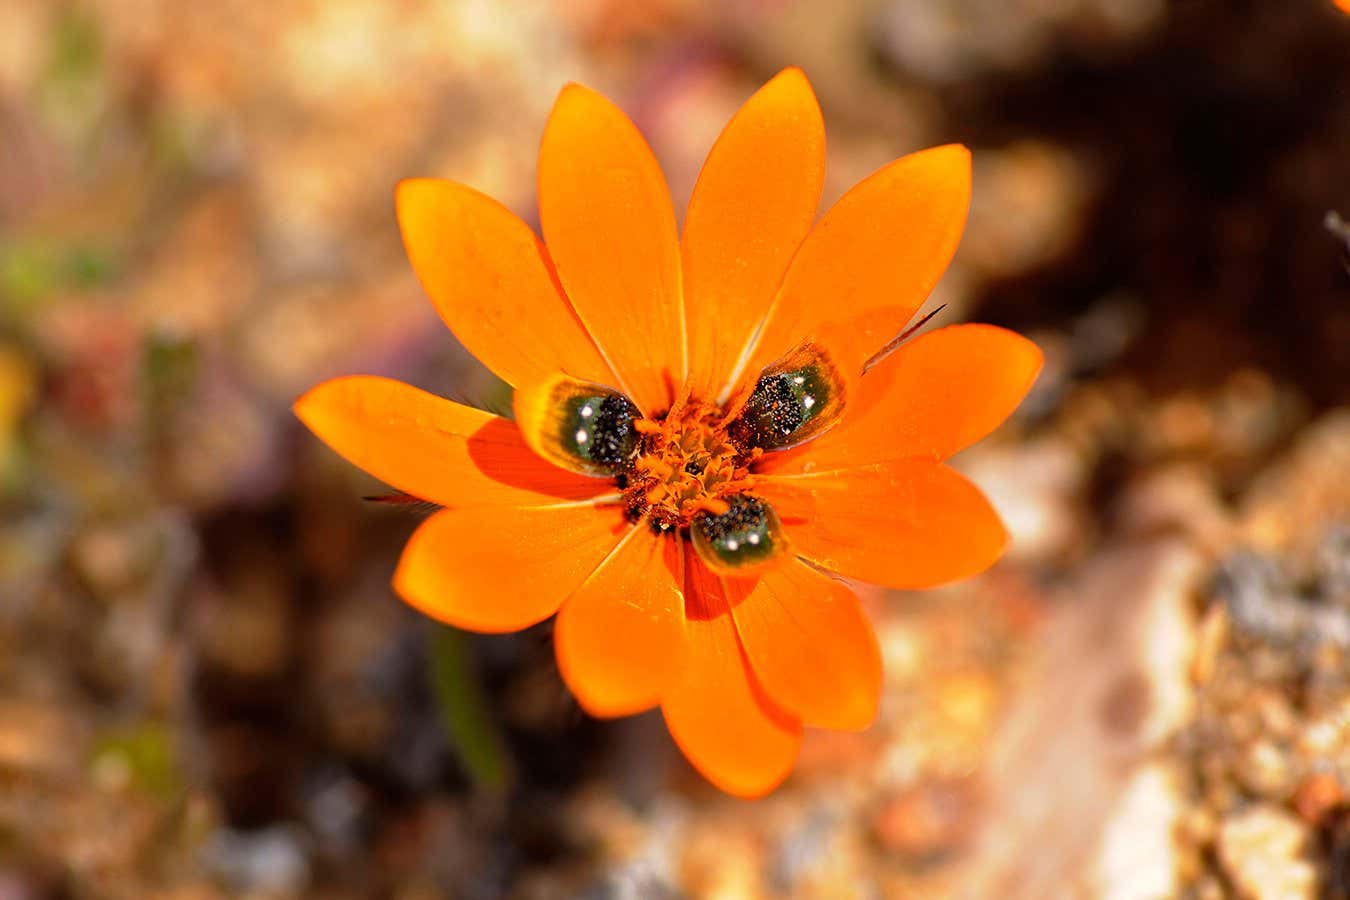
column 688, row 464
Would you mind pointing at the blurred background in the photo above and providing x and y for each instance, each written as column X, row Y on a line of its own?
column 208, row 689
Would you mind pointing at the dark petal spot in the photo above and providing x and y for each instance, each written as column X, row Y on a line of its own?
column 599, row 429
column 746, row 535
column 579, row 426
column 794, row 400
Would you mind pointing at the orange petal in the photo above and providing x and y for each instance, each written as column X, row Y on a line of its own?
column 485, row 271
column 620, row 637
column 754, row 203
column 433, row 448
column 716, row 712
column 811, row 647
column 504, row 568
column 935, row 395
column 610, row 230
column 869, row 264
column 909, row 523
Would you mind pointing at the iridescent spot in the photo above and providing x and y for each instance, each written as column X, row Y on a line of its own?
column 746, row 535
column 585, row 427
column 794, row 400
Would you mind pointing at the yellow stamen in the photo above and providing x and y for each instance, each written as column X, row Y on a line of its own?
column 646, row 426
column 687, row 465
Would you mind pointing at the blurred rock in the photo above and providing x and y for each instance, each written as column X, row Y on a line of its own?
column 1027, row 210
column 1263, row 600
column 204, row 274
column 1261, row 850
column 1036, row 488
column 1318, row 795
column 358, row 693
column 246, row 632
column 270, row 861
column 1178, row 499
column 723, row 859
column 93, row 351
column 1291, row 505
column 958, row 39
column 821, row 854
column 932, row 820
column 1137, row 858
column 1108, row 690
column 1264, row 769
column 40, row 740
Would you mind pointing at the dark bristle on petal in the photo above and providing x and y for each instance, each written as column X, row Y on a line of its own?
column 894, row 343
column 406, row 502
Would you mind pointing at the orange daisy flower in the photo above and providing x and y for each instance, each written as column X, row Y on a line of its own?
column 705, row 436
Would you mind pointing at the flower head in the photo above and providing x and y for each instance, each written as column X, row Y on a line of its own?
column 697, row 451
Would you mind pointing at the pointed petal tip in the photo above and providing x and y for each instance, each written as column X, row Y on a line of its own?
column 1004, row 540
column 858, row 713
column 418, row 194
column 791, row 92
column 579, row 103
column 610, row 230
column 873, row 259
column 300, row 405
column 858, row 719
column 406, row 586
column 997, row 540
column 619, row 640
column 1035, row 354
column 751, row 208
column 742, row 783
column 794, row 74
column 407, row 185
column 954, row 160
column 1019, row 345
column 575, row 90
column 599, row 709
column 754, row 790
column 408, row 191
column 309, row 405
column 1025, row 357
column 802, row 613
column 957, row 156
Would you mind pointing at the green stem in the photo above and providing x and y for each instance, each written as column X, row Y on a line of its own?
column 472, row 731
